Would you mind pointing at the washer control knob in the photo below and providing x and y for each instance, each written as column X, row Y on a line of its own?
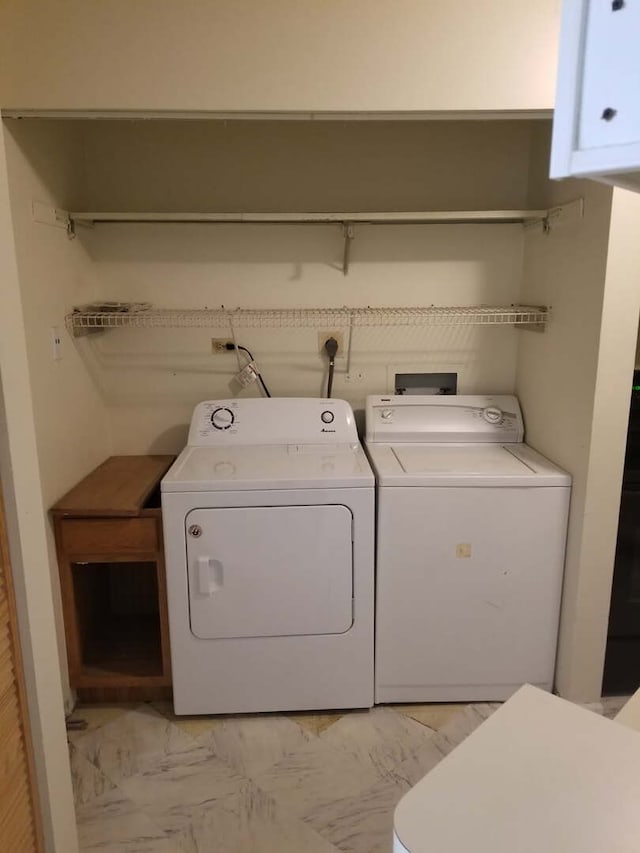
column 327, row 417
column 386, row 414
column 195, row 530
column 222, row 418
column 492, row 415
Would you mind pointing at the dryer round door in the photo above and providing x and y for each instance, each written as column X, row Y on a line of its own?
column 270, row 571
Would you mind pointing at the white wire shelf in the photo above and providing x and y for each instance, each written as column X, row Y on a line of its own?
column 141, row 315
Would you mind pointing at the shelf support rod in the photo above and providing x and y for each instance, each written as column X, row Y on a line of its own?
column 348, row 234
column 350, row 333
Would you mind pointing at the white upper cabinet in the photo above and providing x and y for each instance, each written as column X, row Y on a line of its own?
column 597, row 119
column 280, row 56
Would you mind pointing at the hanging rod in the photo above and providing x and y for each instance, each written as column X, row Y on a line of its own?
column 527, row 218
column 376, row 217
column 347, row 220
column 94, row 318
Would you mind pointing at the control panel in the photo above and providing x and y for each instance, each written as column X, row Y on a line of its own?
column 273, row 420
column 460, row 418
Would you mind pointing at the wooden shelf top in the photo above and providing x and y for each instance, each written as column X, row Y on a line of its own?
column 118, row 487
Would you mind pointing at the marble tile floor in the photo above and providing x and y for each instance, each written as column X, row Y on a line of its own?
column 146, row 781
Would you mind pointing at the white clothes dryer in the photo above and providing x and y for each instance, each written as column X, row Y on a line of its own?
column 268, row 518
column 470, row 543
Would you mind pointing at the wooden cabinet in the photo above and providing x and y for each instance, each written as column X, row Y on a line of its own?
column 111, row 561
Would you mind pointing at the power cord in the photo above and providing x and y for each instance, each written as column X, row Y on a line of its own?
column 331, row 347
column 231, row 347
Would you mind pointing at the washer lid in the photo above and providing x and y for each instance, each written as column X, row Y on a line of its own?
column 205, row 469
column 463, row 465
column 472, row 459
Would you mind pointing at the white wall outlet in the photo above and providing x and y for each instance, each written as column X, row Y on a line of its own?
column 56, row 343
column 339, row 336
column 219, row 345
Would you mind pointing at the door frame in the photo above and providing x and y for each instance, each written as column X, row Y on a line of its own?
column 31, row 558
column 5, row 562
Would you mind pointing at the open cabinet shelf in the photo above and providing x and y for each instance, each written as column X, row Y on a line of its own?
column 117, row 607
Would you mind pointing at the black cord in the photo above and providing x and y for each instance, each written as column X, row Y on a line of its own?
column 332, row 365
column 331, row 346
column 231, row 347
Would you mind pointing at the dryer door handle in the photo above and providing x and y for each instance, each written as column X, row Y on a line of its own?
column 209, row 575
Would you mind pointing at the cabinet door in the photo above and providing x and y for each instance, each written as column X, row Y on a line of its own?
column 611, row 75
column 269, row 571
column 19, row 826
column 596, row 120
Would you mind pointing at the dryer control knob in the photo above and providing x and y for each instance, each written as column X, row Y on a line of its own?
column 493, row 415
column 386, row 414
column 222, row 418
column 327, row 417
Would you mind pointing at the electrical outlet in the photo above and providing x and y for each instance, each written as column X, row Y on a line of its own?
column 219, row 345
column 339, row 336
column 56, row 343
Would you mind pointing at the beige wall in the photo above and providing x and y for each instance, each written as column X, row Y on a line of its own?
column 587, row 596
column 22, row 485
column 151, row 379
column 557, row 371
column 282, row 55
column 55, row 273
column 573, row 383
column 304, row 165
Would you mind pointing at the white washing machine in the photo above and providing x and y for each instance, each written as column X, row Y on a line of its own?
column 268, row 520
column 471, row 529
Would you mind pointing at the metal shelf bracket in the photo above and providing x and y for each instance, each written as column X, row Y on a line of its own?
column 348, row 233
column 44, row 214
column 562, row 214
